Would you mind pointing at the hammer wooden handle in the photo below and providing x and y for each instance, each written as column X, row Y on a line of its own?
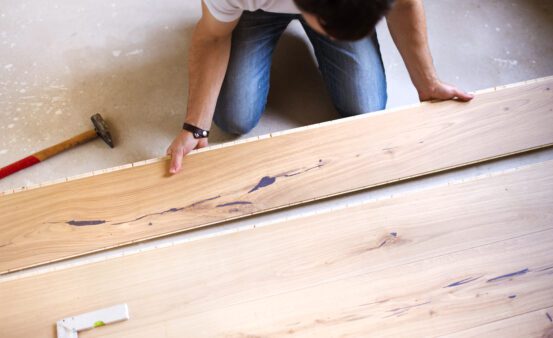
column 46, row 153
column 67, row 144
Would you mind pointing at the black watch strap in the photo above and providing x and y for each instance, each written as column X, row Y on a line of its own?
column 196, row 132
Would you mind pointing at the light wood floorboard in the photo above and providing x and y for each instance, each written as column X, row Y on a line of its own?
column 369, row 267
column 406, row 301
column 117, row 208
column 532, row 324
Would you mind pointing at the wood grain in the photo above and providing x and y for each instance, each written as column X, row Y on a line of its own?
column 121, row 207
column 532, row 324
column 405, row 301
column 427, row 263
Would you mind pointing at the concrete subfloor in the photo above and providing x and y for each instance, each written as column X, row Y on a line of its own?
column 62, row 61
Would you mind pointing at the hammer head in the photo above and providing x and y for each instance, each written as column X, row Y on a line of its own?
column 101, row 128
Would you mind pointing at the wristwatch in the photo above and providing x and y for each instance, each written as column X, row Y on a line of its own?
column 196, row 132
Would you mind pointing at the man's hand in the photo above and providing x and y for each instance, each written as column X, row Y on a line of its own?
column 207, row 64
column 407, row 24
column 442, row 91
column 182, row 145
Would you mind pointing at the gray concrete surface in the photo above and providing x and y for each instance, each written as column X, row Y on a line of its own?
column 61, row 61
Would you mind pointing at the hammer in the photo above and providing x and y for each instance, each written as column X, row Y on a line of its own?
column 100, row 130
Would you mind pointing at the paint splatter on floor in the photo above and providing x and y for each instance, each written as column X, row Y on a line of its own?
column 135, row 52
column 506, row 62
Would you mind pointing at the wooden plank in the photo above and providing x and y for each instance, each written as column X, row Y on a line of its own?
column 407, row 301
column 538, row 324
column 402, row 250
column 121, row 207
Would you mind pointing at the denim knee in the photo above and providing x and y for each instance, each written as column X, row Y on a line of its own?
column 237, row 124
column 358, row 106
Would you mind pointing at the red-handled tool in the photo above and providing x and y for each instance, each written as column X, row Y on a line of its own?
column 100, row 130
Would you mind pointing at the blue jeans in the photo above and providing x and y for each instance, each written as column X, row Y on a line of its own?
column 353, row 71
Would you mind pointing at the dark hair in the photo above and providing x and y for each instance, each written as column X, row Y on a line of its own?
column 346, row 19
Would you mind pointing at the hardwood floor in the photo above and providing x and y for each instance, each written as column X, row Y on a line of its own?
column 457, row 260
column 126, row 206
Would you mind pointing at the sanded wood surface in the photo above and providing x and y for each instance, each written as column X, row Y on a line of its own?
column 428, row 263
column 121, row 207
column 533, row 324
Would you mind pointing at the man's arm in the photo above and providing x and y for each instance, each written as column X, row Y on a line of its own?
column 207, row 65
column 407, row 24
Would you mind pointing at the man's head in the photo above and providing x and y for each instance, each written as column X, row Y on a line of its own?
column 344, row 19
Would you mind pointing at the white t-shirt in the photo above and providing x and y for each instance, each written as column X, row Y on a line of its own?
column 230, row 10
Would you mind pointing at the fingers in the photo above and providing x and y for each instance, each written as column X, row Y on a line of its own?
column 176, row 160
column 180, row 147
column 462, row 95
column 444, row 91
